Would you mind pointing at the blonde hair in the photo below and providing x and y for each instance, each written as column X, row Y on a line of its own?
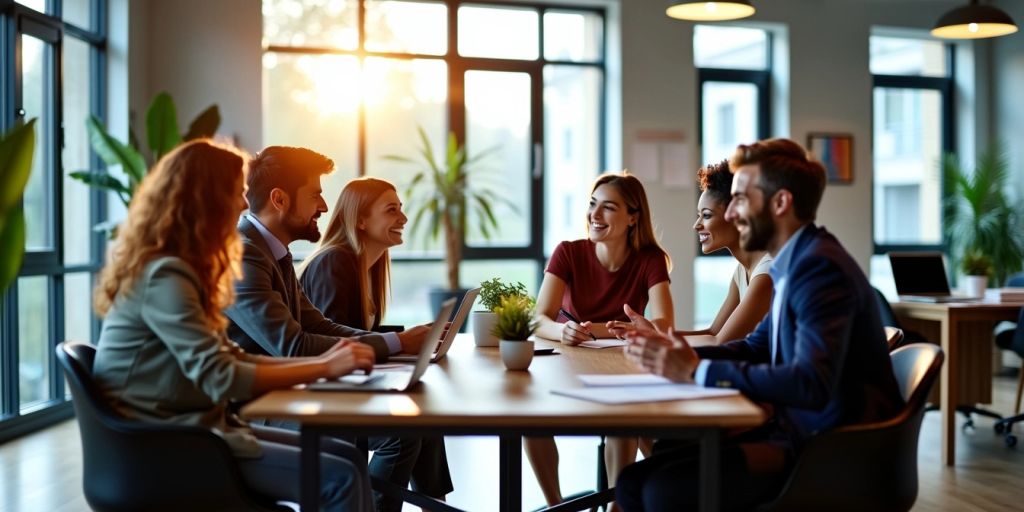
column 183, row 208
column 342, row 233
column 641, row 236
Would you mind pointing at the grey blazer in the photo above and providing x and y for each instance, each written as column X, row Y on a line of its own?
column 158, row 361
column 271, row 317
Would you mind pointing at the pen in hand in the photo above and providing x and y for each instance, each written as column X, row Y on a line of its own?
column 566, row 314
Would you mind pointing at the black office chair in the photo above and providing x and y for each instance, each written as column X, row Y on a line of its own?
column 871, row 466
column 131, row 465
column 889, row 319
column 1013, row 339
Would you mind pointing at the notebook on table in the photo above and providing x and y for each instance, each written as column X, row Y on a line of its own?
column 449, row 337
column 921, row 277
column 397, row 380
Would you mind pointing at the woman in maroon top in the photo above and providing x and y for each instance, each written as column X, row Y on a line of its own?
column 619, row 263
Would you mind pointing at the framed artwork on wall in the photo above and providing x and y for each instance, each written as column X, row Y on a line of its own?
column 835, row 152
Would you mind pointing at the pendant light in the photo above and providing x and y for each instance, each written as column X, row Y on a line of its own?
column 974, row 21
column 709, row 10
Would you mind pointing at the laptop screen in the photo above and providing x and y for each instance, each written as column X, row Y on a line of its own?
column 919, row 273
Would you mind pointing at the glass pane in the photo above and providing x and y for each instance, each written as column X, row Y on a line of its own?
column 572, row 156
column 78, row 306
column 78, row 232
column 33, row 340
column 711, row 278
column 313, row 101
column 575, row 36
column 316, row 23
column 730, row 47
column 730, row 118
column 401, row 96
column 409, row 27
column 881, row 277
column 498, row 32
column 39, row 5
column 410, row 284
column 37, row 59
column 904, row 56
column 77, row 12
column 498, row 123
column 907, row 180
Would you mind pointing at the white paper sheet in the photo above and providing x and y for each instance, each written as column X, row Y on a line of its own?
column 615, row 395
column 603, row 343
column 632, row 379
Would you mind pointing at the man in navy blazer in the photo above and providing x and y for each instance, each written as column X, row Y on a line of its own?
column 818, row 358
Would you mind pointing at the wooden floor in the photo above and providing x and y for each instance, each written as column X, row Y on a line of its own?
column 42, row 472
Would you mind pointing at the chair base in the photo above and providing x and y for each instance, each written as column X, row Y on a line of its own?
column 968, row 411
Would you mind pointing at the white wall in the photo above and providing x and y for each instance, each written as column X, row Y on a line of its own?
column 204, row 52
column 1008, row 93
column 200, row 52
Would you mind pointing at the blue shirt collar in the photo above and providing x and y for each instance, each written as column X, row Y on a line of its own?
column 277, row 249
column 780, row 264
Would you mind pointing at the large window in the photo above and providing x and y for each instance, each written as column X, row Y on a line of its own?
column 734, row 78
column 354, row 79
column 52, row 53
column 913, row 106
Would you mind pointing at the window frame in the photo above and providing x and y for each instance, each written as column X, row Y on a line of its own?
column 945, row 86
column 17, row 20
column 457, row 66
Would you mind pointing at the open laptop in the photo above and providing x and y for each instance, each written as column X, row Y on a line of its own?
column 921, row 277
column 397, row 380
column 449, row 337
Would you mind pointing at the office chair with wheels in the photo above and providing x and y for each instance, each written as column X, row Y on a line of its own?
column 1013, row 339
column 131, row 465
column 889, row 319
column 893, row 337
column 871, row 466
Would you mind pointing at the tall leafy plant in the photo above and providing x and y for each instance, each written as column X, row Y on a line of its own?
column 16, row 152
column 162, row 135
column 978, row 216
column 444, row 191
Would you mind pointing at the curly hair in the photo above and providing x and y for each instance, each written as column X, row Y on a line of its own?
column 184, row 208
column 716, row 180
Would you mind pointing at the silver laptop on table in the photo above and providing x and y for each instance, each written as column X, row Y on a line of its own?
column 398, row 380
column 921, row 277
column 449, row 337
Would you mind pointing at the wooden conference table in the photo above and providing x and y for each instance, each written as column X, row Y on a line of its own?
column 964, row 330
column 471, row 393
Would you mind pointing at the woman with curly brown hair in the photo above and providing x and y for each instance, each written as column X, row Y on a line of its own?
column 163, row 356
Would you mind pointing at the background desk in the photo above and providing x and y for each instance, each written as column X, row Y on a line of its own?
column 965, row 332
column 471, row 393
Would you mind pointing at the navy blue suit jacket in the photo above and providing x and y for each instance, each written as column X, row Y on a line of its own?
column 832, row 363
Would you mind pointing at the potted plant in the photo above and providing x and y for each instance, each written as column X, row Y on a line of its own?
column 979, row 217
column 442, row 194
column 516, row 322
column 491, row 293
column 16, row 152
column 161, row 135
column 976, row 268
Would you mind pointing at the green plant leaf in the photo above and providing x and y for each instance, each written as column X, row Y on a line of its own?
column 113, row 152
column 12, row 245
column 17, row 148
column 100, row 179
column 205, row 124
column 162, row 125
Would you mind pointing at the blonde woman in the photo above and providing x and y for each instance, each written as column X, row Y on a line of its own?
column 348, row 279
column 619, row 264
column 163, row 355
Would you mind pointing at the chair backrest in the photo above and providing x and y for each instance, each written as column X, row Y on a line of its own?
column 885, row 311
column 133, row 465
column 893, row 337
column 1016, row 279
column 871, row 466
column 1017, row 343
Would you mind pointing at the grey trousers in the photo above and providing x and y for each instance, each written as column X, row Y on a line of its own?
column 344, row 481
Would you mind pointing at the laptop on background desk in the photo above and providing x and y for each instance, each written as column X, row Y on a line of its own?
column 449, row 337
column 394, row 380
column 921, row 277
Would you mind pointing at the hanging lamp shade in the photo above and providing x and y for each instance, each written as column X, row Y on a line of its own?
column 709, row 10
column 974, row 21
